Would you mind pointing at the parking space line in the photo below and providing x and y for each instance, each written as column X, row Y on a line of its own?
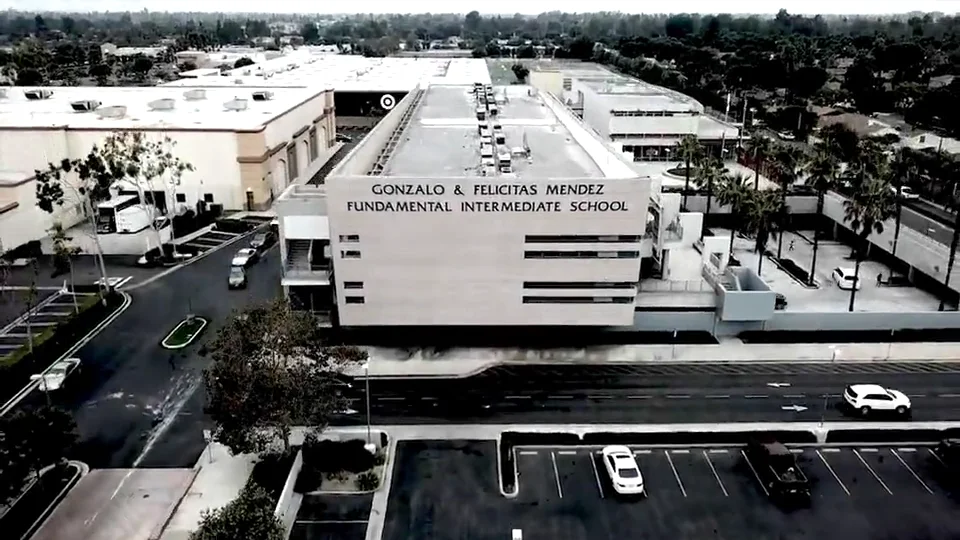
column 718, row 451
column 556, row 474
column 755, row 475
column 869, row 450
column 675, row 473
column 638, row 452
column 906, row 449
column 518, row 397
column 796, row 450
column 599, row 397
column 830, row 450
column 559, row 397
column 715, row 475
column 869, row 468
column 639, row 397
column 680, row 451
column 596, row 474
column 718, row 396
column 935, row 456
column 904, row 463
column 949, row 395
column 829, row 468
column 756, row 396
column 793, row 396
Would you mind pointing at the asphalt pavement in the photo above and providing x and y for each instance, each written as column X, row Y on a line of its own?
column 940, row 231
column 656, row 393
column 136, row 403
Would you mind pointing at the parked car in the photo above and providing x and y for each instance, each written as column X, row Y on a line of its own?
column 237, row 278
column 262, row 241
column 906, row 193
column 623, row 470
column 870, row 398
column 56, row 376
column 845, row 278
column 777, row 469
column 245, row 257
column 787, row 136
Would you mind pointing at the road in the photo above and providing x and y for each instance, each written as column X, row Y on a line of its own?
column 131, row 392
column 655, row 393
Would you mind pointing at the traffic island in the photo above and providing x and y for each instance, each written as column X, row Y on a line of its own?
column 184, row 333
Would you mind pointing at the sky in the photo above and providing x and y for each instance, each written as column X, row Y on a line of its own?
column 493, row 6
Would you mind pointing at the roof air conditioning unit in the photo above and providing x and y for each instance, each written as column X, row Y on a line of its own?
column 39, row 93
column 236, row 104
column 3, row 93
column 238, row 81
column 246, row 72
column 195, row 95
column 164, row 104
column 85, row 105
column 116, row 111
column 262, row 95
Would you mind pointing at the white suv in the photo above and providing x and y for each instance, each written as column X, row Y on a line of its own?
column 867, row 398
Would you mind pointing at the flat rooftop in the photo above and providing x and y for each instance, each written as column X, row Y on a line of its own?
column 349, row 73
column 640, row 89
column 443, row 139
column 188, row 112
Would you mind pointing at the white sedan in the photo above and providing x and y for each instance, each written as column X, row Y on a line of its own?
column 244, row 257
column 905, row 192
column 56, row 376
column 623, row 470
column 867, row 398
column 845, row 278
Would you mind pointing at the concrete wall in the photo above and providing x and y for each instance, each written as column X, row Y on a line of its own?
column 466, row 267
column 363, row 156
column 751, row 301
column 797, row 204
column 798, row 351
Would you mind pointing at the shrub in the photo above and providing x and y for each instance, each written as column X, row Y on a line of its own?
column 794, row 269
column 380, row 457
column 308, row 480
column 368, row 481
column 334, row 456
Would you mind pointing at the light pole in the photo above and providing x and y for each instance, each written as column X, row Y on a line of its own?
column 366, row 379
column 826, row 397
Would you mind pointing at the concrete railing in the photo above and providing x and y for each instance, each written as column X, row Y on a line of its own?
column 767, row 352
column 289, row 502
column 691, row 285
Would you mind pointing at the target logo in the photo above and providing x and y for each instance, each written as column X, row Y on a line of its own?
column 387, row 102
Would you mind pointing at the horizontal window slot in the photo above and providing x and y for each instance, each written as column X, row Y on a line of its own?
column 581, row 254
column 353, row 299
column 579, row 299
column 350, row 254
column 349, row 238
column 580, row 239
column 579, row 285
column 352, row 284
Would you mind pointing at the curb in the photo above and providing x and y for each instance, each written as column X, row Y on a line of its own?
column 381, row 496
column 199, row 257
column 82, row 470
column 189, row 341
column 33, row 385
column 516, row 472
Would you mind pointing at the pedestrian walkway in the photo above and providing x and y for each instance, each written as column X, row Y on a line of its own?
column 49, row 312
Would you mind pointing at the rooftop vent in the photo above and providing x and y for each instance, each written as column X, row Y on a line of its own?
column 263, row 95
column 3, row 93
column 164, row 104
column 195, row 95
column 39, row 93
column 85, row 105
column 236, row 104
column 116, row 111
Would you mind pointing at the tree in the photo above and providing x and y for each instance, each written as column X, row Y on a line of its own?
column 29, row 77
column 787, row 163
column 309, row 32
column 733, row 190
column 36, row 438
column 242, row 62
column 821, row 169
column 761, row 213
column 142, row 66
column 63, row 254
column 271, row 371
column 526, row 51
column 250, row 515
column 520, row 71
column 902, row 169
column 841, row 141
column 870, row 204
column 690, row 153
column 708, row 176
column 101, row 72
column 759, row 147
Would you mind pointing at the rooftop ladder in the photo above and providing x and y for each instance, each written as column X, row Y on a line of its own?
column 381, row 163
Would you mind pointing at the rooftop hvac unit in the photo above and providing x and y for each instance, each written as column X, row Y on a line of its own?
column 85, row 105
column 238, row 81
column 195, row 95
column 501, row 139
column 39, row 93
column 246, row 72
column 263, row 95
column 164, row 104
column 116, row 111
column 3, row 93
column 236, row 104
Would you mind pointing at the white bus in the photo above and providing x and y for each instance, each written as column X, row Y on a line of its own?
column 133, row 220
column 107, row 212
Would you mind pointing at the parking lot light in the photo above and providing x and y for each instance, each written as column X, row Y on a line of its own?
column 372, row 448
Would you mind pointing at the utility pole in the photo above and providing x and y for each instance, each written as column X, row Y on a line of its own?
column 743, row 123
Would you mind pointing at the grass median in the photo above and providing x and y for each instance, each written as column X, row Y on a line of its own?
column 184, row 333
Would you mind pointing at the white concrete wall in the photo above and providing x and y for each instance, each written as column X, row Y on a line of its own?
column 468, row 268
column 547, row 81
column 28, row 222
column 596, row 113
column 682, row 125
column 282, row 129
column 289, row 502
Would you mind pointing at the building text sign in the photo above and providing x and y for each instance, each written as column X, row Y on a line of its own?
column 489, row 198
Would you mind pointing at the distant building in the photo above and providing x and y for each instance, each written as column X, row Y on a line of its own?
column 931, row 141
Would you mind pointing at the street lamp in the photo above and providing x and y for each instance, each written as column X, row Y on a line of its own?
column 834, row 352
column 370, row 447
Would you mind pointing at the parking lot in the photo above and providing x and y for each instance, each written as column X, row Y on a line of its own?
column 332, row 517
column 49, row 308
column 208, row 240
column 449, row 490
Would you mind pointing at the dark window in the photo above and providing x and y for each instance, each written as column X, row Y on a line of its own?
column 312, row 138
column 350, row 254
column 181, row 198
column 579, row 299
column 349, row 238
column 208, row 197
column 352, row 284
column 580, row 238
column 581, row 254
column 293, row 168
column 353, row 299
column 579, row 285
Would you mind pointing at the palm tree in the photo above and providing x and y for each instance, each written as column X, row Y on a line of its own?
column 903, row 168
column 708, row 176
column 733, row 190
column 821, row 168
column 787, row 161
column 761, row 211
column 690, row 151
column 759, row 147
column 870, row 205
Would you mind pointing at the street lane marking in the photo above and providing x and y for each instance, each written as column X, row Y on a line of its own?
column 638, row 452
column 906, row 449
column 528, row 452
column 518, row 397
column 567, row 452
column 829, row 468
column 935, row 456
column 950, row 395
column 556, row 474
column 718, row 396
column 869, row 450
column 718, row 451
column 715, row 475
column 916, row 395
column 678, row 396
column 596, row 474
column 915, row 476
column 599, row 397
column 680, row 451
column 427, row 398
column 755, row 475
column 390, row 399
column 559, row 397
column 756, row 396
column 639, row 397
column 830, row 450
column 675, row 473
column 793, row 396
column 796, row 450
column 869, row 468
